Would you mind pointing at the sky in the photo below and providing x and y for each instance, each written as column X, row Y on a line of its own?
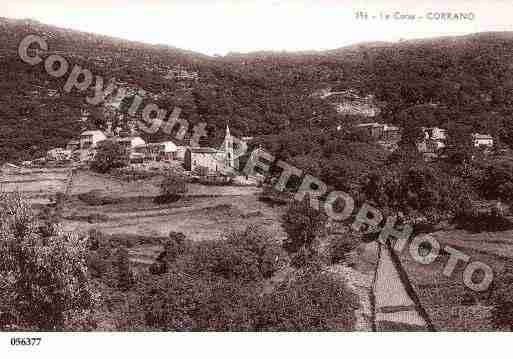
column 222, row 26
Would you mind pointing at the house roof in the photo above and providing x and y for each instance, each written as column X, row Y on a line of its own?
column 204, row 150
column 131, row 138
column 479, row 136
column 391, row 128
column 92, row 133
column 373, row 124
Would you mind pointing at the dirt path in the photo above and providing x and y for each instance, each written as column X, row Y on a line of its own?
column 394, row 307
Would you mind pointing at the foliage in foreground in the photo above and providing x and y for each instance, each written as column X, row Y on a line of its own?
column 220, row 286
column 313, row 301
column 42, row 279
column 302, row 223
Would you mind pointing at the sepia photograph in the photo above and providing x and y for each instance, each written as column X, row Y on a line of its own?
column 254, row 169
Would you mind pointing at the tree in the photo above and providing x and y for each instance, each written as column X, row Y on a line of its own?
column 411, row 134
column 44, row 280
column 303, row 224
column 267, row 249
column 502, row 314
column 460, row 148
column 497, row 182
column 125, row 275
column 172, row 188
column 109, row 155
column 313, row 301
column 407, row 154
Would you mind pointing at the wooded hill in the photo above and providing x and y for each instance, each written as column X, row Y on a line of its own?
column 427, row 82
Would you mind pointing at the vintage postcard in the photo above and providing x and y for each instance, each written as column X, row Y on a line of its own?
column 255, row 166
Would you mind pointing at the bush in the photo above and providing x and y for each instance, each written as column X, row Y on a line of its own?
column 97, row 266
column 108, row 156
column 48, row 282
column 174, row 247
column 502, row 314
column 314, row 301
column 497, row 182
column 302, row 223
column 172, row 188
column 221, row 259
column 340, row 246
column 97, row 198
column 181, row 302
column 487, row 220
column 95, row 239
column 268, row 251
column 125, row 275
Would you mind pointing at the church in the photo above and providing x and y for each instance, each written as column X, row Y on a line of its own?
column 207, row 160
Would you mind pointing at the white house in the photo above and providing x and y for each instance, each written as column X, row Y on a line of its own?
column 162, row 151
column 180, row 153
column 205, row 158
column 90, row 139
column 58, row 154
column 482, row 140
column 434, row 140
column 130, row 143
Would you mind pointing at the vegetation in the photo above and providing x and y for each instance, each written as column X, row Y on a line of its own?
column 172, row 188
column 268, row 251
column 223, row 296
column 459, row 80
column 303, row 224
column 43, row 279
column 110, row 155
column 125, row 275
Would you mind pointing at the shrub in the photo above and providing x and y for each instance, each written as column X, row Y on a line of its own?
column 502, row 314
column 268, row 251
column 110, row 154
column 497, row 182
column 170, row 302
column 97, row 198
column 48, row 283
column 340, row 246
column 314, row 301
column 181, row 302
column 221, row 259
column 172, row 188
column 125, row 275
column 174, row 247
column 95, row 238
column 97, row 266
column 302, row 223
column 489, row 220
column 97, row 218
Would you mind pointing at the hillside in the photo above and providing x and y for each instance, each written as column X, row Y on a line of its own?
column 431, row 82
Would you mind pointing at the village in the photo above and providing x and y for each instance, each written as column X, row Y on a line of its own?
column 172, row 234
column 208, row 162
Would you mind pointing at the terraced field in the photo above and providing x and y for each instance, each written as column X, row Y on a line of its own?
column 36, row 184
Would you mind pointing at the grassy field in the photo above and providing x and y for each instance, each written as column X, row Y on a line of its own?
column 206, row 213
column 449, row 303
column 36, row 184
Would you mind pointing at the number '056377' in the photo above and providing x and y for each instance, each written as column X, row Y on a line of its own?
column 25, row 341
